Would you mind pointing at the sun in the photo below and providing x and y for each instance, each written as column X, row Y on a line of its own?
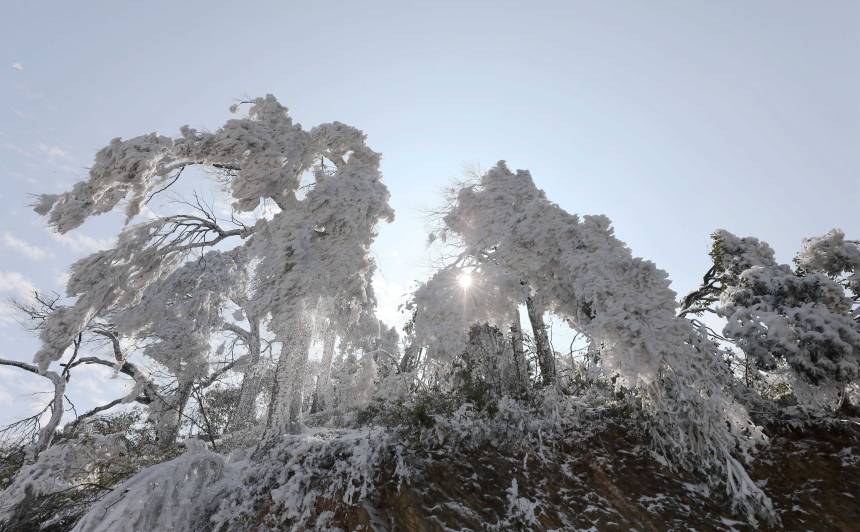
column 465, row 280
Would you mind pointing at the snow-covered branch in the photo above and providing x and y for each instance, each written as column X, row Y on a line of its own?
column 46, row 435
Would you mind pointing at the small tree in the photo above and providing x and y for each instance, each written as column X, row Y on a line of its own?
column 805, row 318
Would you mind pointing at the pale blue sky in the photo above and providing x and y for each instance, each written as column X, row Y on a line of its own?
column 672, row 118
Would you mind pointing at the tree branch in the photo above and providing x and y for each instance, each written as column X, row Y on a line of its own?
column 46, row 435
column 95, row 411
column 238, row 331
column 212, row 378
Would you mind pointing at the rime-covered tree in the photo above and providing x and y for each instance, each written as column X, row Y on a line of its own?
column 315, row 256
column 805, row 318
column 836, row 257
column 159, row 285
column 580, row 271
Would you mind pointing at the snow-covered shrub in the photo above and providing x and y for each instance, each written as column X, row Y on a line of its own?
column 60, row 468
column 521, row 510
column 297, row 474
column 175, row 495
column 86, row 461
column 487, row 366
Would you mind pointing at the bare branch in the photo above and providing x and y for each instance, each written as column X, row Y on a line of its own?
column 94, row 411
column 208, row 381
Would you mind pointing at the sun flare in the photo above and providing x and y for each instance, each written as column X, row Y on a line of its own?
column 465, row 280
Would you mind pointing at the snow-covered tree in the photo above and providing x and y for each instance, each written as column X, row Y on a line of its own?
column 805, row 318
column 158, row 286
column 580, row 271
column 838, row 258
column 315, row 256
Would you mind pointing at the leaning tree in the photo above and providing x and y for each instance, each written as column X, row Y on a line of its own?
column 520, row 248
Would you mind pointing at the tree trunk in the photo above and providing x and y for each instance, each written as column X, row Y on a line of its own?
column 409, row 359
column 322, row 393
column 520, row 369
column 46, row 435
column 168, row 437
column 545, row 357
column 245, row 413
column 285, row 409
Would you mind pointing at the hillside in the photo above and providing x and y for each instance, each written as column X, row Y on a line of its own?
column 590, row 470
column 608, row 481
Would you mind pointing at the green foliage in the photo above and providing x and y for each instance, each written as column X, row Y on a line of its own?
column 11, row 460
column 220, row 403
column 418, row 411
column 472, row 389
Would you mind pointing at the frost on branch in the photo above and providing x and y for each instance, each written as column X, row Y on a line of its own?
column 266, row 151
column 179, row 312
column 733, row 255
column 834, row 256
column 104, row 282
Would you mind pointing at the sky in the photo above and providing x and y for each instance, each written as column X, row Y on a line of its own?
column 672, row 118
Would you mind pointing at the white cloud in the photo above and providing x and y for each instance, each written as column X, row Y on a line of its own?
column 16, row 285
column 13, row 285
column 28, row 250
column 52, row 151
column 82, row 243
column 17, row 149
column 17, row 66
column 5, row 398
